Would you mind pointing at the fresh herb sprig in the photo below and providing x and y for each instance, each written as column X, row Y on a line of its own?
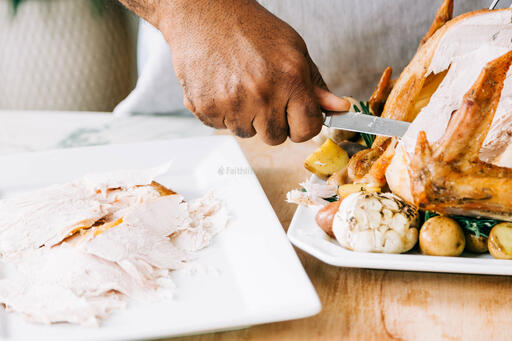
column 365, row 109
column 477, row 226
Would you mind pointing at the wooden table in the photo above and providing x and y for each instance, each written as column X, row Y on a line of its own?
column 361, row 304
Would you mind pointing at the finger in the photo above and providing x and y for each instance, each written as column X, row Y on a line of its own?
column 304, row 116
column 238, row 114
column 209, row 114
column 241, row 125
column 211, row 120
column 271, row 125
column 329, row 101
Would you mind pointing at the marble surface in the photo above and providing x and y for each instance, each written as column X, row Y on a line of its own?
column 28, row 131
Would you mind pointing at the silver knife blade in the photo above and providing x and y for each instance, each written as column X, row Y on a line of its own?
column 369, row 124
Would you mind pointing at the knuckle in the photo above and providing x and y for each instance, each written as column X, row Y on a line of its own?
column 231, row 98
column 240, row 124
column 243, row 132
column 276, row 140
column 211, row 120
column 275, row 133
column 207, row 112
column 294, row 67
column 259, row 86
column 205, row 106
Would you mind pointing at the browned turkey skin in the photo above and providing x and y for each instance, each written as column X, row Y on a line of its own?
column 369, row 166
column 448, row 176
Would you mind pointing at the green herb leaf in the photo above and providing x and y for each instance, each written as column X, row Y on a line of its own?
column 477, row 226
column 332, row 199
column 428, row 215
column 365, row 109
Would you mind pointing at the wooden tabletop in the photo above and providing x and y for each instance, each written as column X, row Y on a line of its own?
column 361, row 304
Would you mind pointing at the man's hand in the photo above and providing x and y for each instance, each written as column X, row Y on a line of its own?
column 242, row 68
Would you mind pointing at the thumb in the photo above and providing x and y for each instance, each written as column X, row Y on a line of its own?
column 329, row 101
column 326, row 99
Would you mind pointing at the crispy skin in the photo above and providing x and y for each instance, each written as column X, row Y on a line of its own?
column 361, row 163
column 381, row 92
column 377, row 173
column 448, row 177
column 401, row 101
column 443, row 15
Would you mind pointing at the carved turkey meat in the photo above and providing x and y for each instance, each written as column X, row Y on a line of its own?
column 457, row 91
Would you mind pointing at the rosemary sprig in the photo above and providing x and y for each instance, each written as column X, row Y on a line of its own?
column 477, row 226
column 365, row 109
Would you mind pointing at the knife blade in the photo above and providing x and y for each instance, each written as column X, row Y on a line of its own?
column 369, row 124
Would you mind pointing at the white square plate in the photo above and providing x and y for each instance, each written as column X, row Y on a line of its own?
column 250, row 274
column 306, row 235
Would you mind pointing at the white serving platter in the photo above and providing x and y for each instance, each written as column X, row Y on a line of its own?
column 249, row 275
column 306, row 235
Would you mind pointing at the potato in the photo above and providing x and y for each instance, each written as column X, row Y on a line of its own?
column 325, row 217
column 328, row 159
column 442, row 236
column 500, row 241
column 345, row 190
column 475, row 244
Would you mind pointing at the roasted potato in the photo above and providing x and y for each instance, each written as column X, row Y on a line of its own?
column 442, row 236
column 328, row 159
column 325, row 217
column 500, row 241
column 475, row 244
column 345, row 190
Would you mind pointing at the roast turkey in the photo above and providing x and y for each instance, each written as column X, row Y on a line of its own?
column 457, row 91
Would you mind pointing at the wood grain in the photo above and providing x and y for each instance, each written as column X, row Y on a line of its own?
column 360, row 304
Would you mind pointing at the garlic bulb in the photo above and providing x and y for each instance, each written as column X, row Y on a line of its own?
column 376, row 222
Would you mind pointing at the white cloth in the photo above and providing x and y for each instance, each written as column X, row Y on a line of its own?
column 351, row 41
column 158, row 90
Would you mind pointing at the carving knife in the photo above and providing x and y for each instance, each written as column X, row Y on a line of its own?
column 362, row 123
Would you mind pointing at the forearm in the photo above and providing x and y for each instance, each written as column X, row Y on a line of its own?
column 172, row 16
